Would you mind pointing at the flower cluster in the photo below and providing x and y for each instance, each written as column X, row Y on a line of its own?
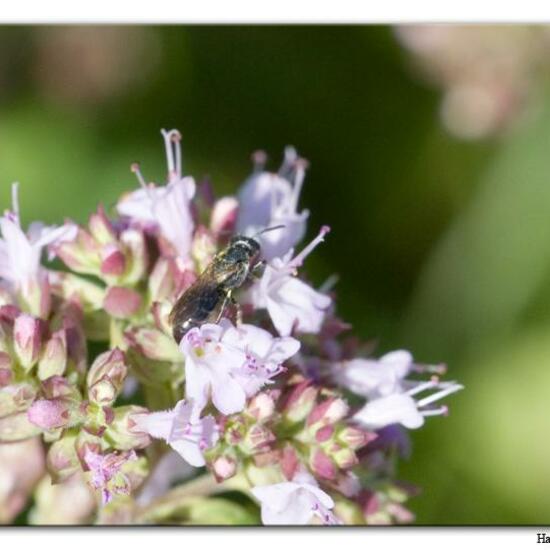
column 272, row 400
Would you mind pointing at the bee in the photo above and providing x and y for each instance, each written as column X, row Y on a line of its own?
column 207, row 298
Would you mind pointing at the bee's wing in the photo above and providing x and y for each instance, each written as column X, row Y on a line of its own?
column 200, row 303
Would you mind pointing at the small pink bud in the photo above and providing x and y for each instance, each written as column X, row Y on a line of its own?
column 121, row 302
column 322, row 465
column 49, row 414
column 257, row 438
column 54, row 358
column 57, row 387
column 106, row 377
column 120, row 432
column 344, row 458
column 162, row 280
column 113, row 261
column 101, row 228
column 154, row 344
column 324, row 433
column 355, row 438
column 289, row 462
column 329, row 411
column 27, row 332
column 261, row 406
column 62, row 461
column 224, row 468
column 300, row 402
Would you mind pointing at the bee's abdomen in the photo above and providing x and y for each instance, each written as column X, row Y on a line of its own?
column 194, row 309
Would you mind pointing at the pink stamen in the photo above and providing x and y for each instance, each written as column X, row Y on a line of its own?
column 172, row 146
column 298, row 260
column 259, row 158
column 135, row 168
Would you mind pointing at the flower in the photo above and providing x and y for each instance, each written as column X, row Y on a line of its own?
column 400, row 406
column 268, row 199
column 230, row 364
column 20, row 254
column 168, row 207
column 291, row 303
column 294, row 502
column 375, row 378
column 182, row 429
column 106, row 474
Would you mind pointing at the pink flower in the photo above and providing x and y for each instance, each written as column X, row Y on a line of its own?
column 294, row 502
column 374, row 378
column 291, row 303
column 168, row 207
column 182, row 429
column 229, row 364
column 400, row 407
column 20, row 253
column 107, row 476
column 267, row 199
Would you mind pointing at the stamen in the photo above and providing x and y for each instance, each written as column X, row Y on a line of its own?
column 299, row 176
column 433, row 383
column 288, row 161
column 135, row 168
column 329, row 284
column 15, row 199
column 444, row 410
column 172, row 147
column 298, row 260
column 447, row 389
column 436, row 369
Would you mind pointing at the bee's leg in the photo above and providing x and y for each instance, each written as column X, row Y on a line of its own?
column 227, row 298
column 238, row 310
column 256, row 270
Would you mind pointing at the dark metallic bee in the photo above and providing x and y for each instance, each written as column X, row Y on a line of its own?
column 206, row 299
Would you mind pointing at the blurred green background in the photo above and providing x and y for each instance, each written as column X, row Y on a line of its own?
column 442, row 244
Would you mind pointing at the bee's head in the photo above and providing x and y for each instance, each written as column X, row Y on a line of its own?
column 244, row 248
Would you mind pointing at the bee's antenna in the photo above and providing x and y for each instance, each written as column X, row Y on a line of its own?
column 273, row 228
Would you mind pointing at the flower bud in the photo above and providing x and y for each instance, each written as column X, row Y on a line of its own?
column 154, row 344
column 300, row 402
column 258, row 438
column 261, row 406
column 58, row 387
column 49, row 414
column 17, row 427
column 162, row 281
column 27, row 333
column 289, row 462
column 101, row 228
column 328, row 412
column 6, row 366
column 15, row 398
column 54, row 357
column 77, row 289
column 322, row 465
column 355, row 438
column 120, row 434
column 224, row 467
column 81, row 254
column 62, row 460
column 121, row 302
column 135, row 249
column 113, row 261
column 344, row 458
column 109, row 366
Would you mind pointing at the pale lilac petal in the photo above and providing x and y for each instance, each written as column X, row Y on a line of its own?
column 392, row 409
column 189, row 451
column 157, row 424
column 228, row 395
